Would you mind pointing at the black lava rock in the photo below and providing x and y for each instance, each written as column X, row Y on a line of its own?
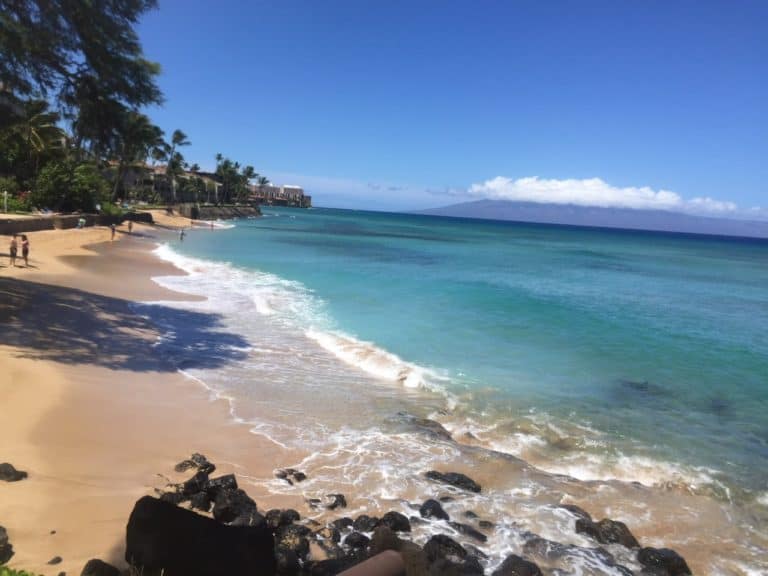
column 454, row 479
column 607, row 532
column 357, row 540
column 293, row 538
column 335, row 501
column 396, row 522
column 516, row 566
column 226, row 482
column 174, row 498
column 10, row 474
column 433, row 509
column 96, row 567
column 442, row 546
column 468, row 530
column 196, row 461
column 196, row 484
column 200, row 501
column 365, row 523
column 343, row 523
column 665, row 559
column 231, row 504
column 577, row 511
column 6, row 550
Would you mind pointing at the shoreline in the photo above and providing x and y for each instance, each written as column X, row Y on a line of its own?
column 93, row 287
column 92, row 450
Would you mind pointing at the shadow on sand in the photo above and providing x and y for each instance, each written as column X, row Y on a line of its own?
column 76, row 327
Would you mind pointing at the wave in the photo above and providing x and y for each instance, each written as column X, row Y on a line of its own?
column 376, row 361
column 213, row 224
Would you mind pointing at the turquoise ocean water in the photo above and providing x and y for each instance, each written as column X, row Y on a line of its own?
column 600, row 354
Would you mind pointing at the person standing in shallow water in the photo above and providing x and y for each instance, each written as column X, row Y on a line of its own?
column 14, row 248
column 25, row 249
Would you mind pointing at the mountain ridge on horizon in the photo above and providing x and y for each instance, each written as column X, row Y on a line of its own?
column 598, row 216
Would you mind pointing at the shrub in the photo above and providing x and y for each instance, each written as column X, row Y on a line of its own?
column 68, row 186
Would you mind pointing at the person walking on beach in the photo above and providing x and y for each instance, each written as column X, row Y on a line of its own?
column 25, row 249
column 113, row 228
column 14, row 248
column 130, row 226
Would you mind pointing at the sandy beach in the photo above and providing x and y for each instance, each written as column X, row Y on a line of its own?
column 89, row 410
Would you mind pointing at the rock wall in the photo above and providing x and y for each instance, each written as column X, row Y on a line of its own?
column 227, row 212
column 62, row 222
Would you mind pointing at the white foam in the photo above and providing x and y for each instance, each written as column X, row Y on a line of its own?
column 215, row 224
column 374, row 360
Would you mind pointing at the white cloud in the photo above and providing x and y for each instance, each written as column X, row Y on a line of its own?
column 597, row 192
column 587, row 192
column 709, row 205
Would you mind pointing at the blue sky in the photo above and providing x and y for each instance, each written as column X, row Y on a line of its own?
column 415, row 104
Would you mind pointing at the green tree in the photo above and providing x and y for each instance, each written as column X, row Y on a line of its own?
column 69, row 185
column 50, row 46
column 29, row 136
column 137, row 137
column 175, row 165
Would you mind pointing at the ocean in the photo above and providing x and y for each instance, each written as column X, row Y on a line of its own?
column 623, row 371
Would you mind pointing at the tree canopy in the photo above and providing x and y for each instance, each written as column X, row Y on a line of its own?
column 79, row 64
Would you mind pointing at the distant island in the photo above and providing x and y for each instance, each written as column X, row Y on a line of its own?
column 627, row 218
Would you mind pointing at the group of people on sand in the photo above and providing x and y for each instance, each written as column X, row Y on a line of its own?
column 14, row 249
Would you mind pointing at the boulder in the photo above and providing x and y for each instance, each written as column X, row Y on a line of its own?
column 196, row 484
column 577, row 511
column 514, row 565
column 365, row 523
column 607, row 532
column 287, row 562
column 161, row 536
column 396, row 522
column 278, row 518
column 10, row 474
column 55, row 560
column 226, row 482
column 468, row 530
column 291, row 475
column 442, row 546
column 96, row 567
column 231, row 504
column 328, row 534
column 433, row 509
column 334, row 501
column 664, row 559
column 454, row 479
column 196, row 461
column 472, row 567
column 343, row 523
column 174, row 498
column 486, row 524
column 293, row 538
column 200, row 501
column 357, row 540
column 6, row 550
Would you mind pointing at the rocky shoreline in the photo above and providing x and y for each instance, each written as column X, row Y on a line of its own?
column 209, row 525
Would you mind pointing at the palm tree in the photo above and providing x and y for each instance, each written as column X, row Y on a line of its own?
column 138, row 138
column 38, row 131
column 178, row 138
